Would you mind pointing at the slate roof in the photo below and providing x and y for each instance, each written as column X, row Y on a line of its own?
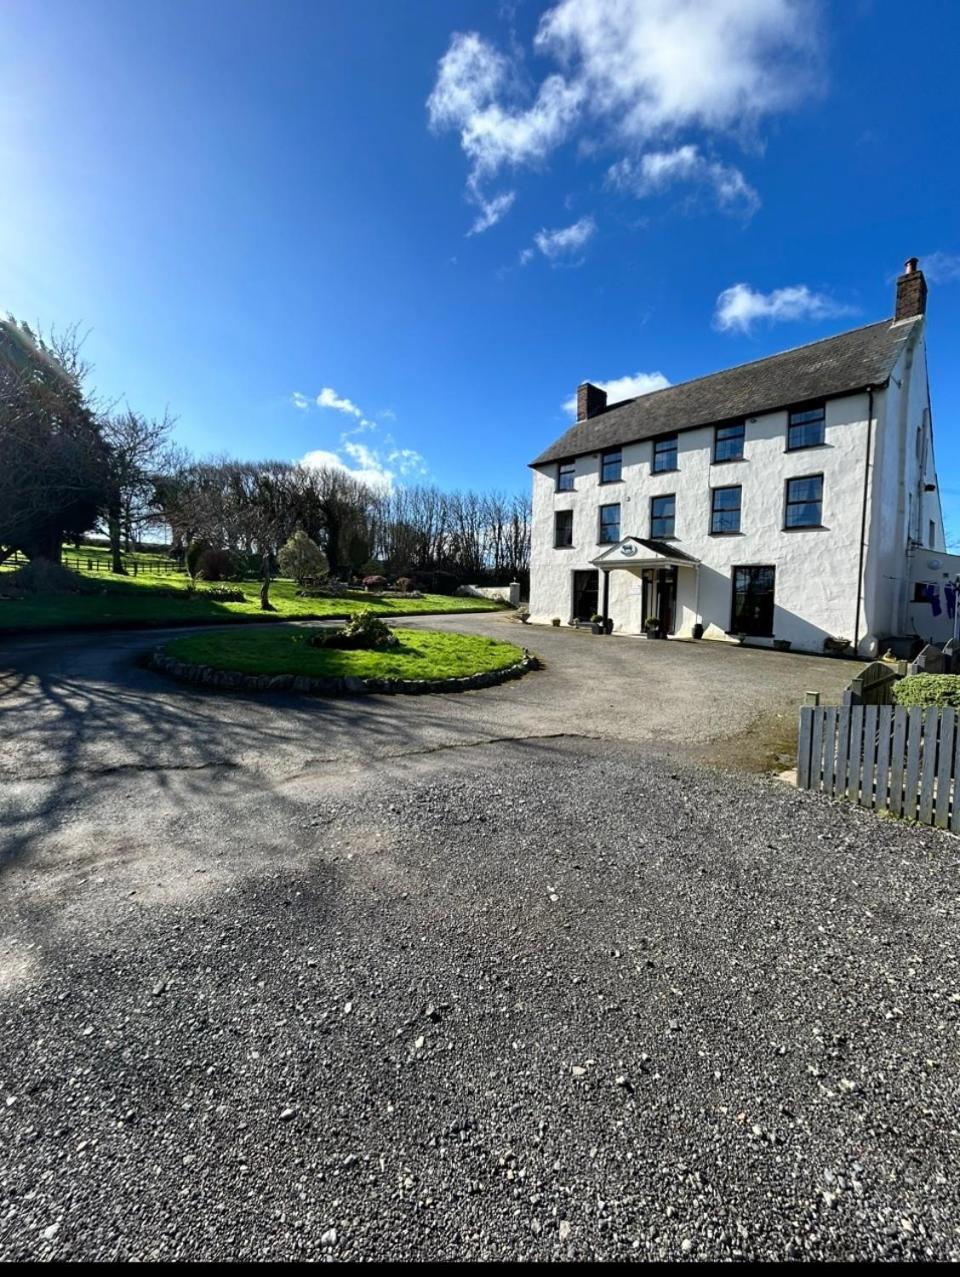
column 833, row 366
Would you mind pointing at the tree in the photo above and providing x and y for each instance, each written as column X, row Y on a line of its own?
column 301, row 558
column 136, row 445
column 53, row 457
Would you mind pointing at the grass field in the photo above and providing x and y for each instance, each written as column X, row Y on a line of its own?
column 145, row 600
column 286, row 650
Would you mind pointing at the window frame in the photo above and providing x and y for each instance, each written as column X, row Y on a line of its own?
column 726, row 532
column 821, row 404
column 562, row 466
column 557, row 515
column 601, row 539
column 664, row 536
column 610, row 452
column 661, row 439
column 752, row 567
column 729, row 425
column 787, row 503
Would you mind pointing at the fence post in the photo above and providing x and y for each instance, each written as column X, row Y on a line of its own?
column 805, row 745
column 811, row 698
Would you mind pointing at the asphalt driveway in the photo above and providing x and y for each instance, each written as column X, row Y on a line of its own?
column 508, row 974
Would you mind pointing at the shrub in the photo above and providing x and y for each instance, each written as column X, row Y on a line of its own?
column 374, row 583
column 192, row 558
column 403, row 584
column 221, row 594
column 216, row 565
column 362, row 630
column 301, row 558
column 939, row 690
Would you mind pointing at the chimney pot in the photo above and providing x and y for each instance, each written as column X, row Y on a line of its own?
column 590, row 400
column 911, row 292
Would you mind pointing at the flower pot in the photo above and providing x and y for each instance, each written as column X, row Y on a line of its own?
column 597, row 627
column 698, row 631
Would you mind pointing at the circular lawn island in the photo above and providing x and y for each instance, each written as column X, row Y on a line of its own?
column 304, row 659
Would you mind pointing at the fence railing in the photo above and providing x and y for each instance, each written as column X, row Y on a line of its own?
column 888, row 758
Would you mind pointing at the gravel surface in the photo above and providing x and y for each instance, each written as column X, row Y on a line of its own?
column 525, row 1000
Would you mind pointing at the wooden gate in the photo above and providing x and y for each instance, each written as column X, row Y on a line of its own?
column 884, row 757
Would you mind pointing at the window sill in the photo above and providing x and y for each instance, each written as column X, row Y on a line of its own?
column 808, row 447
column 562, row 492
column 807, row 527
column 609, row 483
column 564, row 547
column 672, row 537
column 666, row 470
column 727, row 461
column 738, row 533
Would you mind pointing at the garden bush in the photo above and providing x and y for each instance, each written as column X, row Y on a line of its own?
column 374, row 583
column 362, row 630
column 302, row 558
column 941, row 691
column 216, row 565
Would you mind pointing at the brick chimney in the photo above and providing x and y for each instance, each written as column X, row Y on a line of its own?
column 590, row 400
column 911, row 292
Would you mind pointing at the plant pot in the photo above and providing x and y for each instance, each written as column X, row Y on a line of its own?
column 782, row 645
column 653, row 631
column 597, row 627
column 698, row 631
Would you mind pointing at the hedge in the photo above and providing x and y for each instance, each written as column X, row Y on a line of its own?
column 939, row 690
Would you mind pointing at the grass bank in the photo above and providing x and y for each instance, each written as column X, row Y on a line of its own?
column 419, row 654
column 153, row 600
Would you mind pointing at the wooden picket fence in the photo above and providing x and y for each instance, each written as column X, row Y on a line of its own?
column 885, row 757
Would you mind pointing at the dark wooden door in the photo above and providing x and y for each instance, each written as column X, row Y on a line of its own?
column 667, row 599
column 585, row 595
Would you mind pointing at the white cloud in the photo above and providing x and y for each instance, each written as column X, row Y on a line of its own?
column 657, row 170
column 564, row 242
column 491, row 211
column 299, row 401
column 740, row 307
column 321, row 459
column 641, row 69
column 368, row 464
column 629, row 387
column 941, row 268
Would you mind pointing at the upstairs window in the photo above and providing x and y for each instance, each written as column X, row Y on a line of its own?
column 725, row 510
column 664, row 454
column 663, row 511
column 566, row 474
column 728, row 443
column 804, row 502
column 611, row 464
column 563, row 529
column 806, row 427
column 609, row 524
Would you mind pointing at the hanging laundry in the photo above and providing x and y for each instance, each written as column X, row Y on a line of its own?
column 932, row 592
column 950, row 595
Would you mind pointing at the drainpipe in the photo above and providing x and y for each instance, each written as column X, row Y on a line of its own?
column 863, row 519
column 606, row 596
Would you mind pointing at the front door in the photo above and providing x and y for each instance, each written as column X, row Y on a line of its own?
column 667, row 599
column 585, row 595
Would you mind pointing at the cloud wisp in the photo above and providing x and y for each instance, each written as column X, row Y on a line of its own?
column 657, row 171
column 634, row 72
column 563, row 244
column 740, row 307
column 380, row 463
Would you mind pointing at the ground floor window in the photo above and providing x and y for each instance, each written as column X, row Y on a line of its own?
column 752, row 611
column 586, row 595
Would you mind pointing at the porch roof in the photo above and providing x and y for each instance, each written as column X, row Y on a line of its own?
column 636, row 552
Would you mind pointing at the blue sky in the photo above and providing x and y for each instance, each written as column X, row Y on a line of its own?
column 401, row 234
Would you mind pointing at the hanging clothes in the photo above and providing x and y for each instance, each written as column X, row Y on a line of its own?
column 932, row 592
column 950, row 597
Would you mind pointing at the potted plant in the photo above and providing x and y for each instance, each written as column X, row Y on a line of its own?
column 596, row 623
column 555, row 622
column 782, row 645
column 741, row 639
column 652, row 627
column 698, row 631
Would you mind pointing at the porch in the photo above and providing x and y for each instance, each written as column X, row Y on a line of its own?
column 666, row 581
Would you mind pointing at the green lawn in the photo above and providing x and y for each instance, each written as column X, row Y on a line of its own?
column 286, row 650
column 143, row 600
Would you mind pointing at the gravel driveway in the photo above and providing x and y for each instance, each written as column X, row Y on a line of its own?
column 455, row 977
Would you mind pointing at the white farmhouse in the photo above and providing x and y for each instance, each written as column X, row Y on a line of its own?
column 794, row 498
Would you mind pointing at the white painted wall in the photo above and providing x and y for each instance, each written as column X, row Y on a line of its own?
column 498, row 593
column 817, row 569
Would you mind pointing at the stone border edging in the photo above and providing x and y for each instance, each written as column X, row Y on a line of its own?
column 349, row 685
